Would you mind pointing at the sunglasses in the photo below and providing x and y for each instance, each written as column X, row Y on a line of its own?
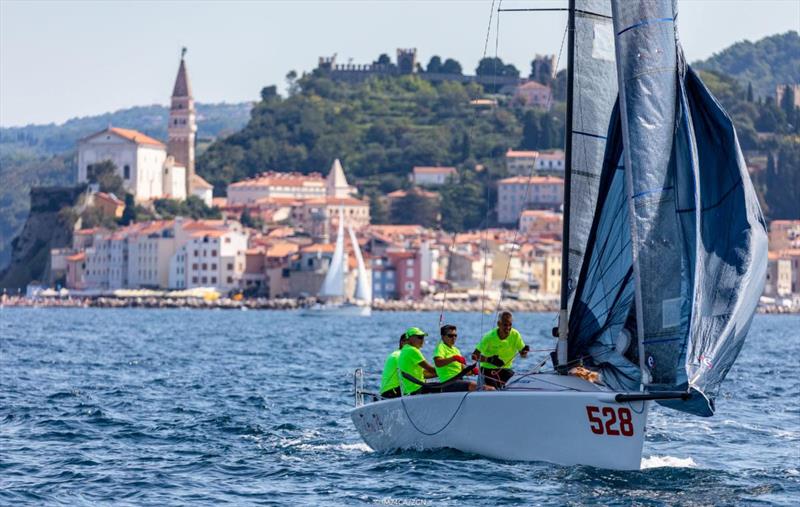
column 452, row 335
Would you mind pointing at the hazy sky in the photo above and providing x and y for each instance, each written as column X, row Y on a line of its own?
column 64, row 59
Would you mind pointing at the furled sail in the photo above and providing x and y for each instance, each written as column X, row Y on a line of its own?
column 333, row 285
column 363, row 289
column 594, row 91
column 698, row 237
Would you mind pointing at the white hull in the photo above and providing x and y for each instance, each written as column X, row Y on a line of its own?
column 522, row 424
column 344, row 310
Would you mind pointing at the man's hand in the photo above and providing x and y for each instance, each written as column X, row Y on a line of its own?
column 475, row 371
column 524, row 351
column 460, row 359
column 496, row 361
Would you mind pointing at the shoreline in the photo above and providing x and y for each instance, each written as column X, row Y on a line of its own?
column 486, row 306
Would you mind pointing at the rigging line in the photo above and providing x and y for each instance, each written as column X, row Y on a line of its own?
column 430, row 434
column 488, row 195
column 530, row 176
column 469, row 132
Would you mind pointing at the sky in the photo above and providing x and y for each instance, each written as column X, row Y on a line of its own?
column 64, row 59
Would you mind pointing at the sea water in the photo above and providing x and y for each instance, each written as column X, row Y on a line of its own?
column 177, row 407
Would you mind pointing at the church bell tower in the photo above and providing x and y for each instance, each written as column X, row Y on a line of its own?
column 182, row 128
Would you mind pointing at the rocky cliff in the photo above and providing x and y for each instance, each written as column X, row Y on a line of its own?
column 49, row 225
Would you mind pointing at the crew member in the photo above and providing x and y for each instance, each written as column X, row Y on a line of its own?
column 497, row 350
column 413, row 363
column 449, row 361
column 390, row 381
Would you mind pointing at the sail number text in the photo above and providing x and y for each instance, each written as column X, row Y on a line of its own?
column 607, row 421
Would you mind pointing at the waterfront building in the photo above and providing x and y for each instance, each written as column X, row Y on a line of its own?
column 533, row 94
column 535, row 163
column 537, row 222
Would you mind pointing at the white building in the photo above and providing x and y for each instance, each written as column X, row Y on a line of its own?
column 139, row 159
column 202, row 189
column 432, row 176
column 210, row 258
column 520, row 193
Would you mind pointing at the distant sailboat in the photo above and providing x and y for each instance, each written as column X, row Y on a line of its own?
column 665, row 256
column 332, row 294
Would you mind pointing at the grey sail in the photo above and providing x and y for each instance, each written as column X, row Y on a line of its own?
column 698, row 240
column 594, row 92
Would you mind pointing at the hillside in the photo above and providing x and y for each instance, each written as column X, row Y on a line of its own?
column 213, row 120
column 765, row 63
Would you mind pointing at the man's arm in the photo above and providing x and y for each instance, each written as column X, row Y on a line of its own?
column 430, row 371
column 444, row 361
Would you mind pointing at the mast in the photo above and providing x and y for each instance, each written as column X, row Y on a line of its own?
column 563, row 317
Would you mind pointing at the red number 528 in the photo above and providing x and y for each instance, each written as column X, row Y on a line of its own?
column 609, row 421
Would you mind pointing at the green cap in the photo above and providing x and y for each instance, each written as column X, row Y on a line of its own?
column 415, row 331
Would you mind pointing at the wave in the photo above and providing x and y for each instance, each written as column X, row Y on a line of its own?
column 667, row 461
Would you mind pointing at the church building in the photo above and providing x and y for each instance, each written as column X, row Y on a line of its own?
column 150, row 169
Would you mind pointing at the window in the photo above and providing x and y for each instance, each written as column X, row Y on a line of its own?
column 230, row 265
column 204, row 279
column 409, row 285
column 194, row 279
column 213, row 279
column 213, row 253
column 230, row 280
column 409, row 262
column 410, row 272
column 205, row 266
column 213, row 267
column 389, row 286
column 196, row 253
column 126, row 172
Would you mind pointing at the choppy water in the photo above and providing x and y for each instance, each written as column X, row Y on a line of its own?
column 175, row 407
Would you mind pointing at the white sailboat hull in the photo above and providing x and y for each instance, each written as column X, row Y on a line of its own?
column 343, row 310
column 565, row 427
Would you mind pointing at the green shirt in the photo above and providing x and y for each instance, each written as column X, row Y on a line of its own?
column 409, row 360
column 450, row 370
column 389, row 379
column 492, row 345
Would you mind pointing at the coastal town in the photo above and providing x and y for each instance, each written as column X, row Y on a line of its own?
column 271, row 241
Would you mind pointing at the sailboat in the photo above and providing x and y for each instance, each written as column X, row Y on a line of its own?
column 332, row 294
column 665, row 256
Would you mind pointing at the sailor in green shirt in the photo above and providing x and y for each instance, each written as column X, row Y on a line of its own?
column 497, row 350
column 449, row 361
column 413, row 363
column 390, row 381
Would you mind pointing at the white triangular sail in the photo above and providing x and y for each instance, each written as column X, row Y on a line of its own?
column 363, row 289
column 333, row 285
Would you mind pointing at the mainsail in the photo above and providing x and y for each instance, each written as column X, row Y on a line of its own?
column 363, row 289
column 676, row 254
column 333, row 285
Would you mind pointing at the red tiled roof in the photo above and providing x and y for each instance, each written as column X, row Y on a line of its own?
column 521, row 154
column 77, row 257
column 532, row 180
column 291, row 179
column 135, row 136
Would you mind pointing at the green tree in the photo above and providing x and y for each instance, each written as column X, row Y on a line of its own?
column 415, row 208
column 129, row 213
column 377, row 209
column 463, row 205
column 451, row 66
column 105, row 174
column 749, row 91
column 787, row 101
column 434, row 65
column 494, row 66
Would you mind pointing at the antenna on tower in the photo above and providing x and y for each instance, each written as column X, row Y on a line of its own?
column 183, row 52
